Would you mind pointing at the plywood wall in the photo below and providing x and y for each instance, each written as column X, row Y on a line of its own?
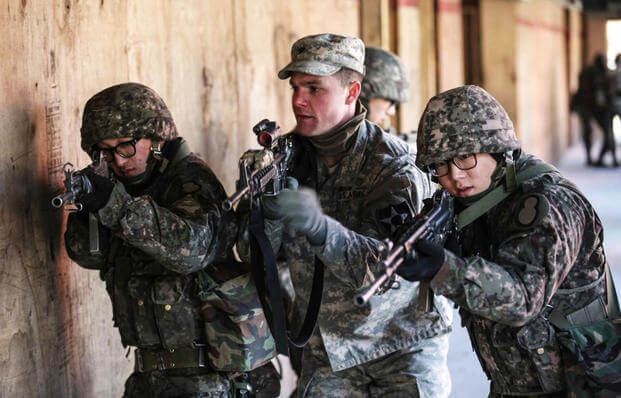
column 525, row 63
column 450, row 44
column 214, row 63
column 542, row 89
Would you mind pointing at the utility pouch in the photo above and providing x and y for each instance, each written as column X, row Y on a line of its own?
column 592, row 336
column 237, row 332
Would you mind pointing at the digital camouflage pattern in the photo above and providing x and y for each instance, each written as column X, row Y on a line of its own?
column 187, row 383
column 324, row 55
column 542, row 245
column 378, row 172
column 417, row 371
column 234, row 319
column 386, row 76
column 463, row 121
column 126, row 110
column 201, row 383
column 156, row 243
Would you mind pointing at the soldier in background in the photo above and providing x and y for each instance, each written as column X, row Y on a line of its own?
column 535, row 256
column 163, row 235
column 616, row 88
column 385, row 86
column 593, row 100
column 358, row 187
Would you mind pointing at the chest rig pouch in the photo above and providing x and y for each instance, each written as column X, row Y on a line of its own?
column 237, row 333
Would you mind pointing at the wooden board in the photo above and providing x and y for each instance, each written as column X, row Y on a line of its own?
column 214, row 63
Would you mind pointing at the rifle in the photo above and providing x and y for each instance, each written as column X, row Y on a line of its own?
column 77, row 185
column 433, row 223
column 271, row 179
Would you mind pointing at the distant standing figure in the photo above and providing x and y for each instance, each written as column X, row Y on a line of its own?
column 594, row 100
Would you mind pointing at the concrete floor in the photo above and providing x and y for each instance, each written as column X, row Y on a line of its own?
column 602, row 186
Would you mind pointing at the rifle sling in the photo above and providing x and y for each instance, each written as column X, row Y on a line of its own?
column 265, row 274
column 480, row 207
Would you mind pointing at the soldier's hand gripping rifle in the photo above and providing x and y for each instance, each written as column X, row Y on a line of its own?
column 271, row 178
column 434, row 223
column 77, row 184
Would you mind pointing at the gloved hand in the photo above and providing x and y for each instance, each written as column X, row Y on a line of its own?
column 424, row 263
column 99, row 196
column 270, row 203
column 300, row 210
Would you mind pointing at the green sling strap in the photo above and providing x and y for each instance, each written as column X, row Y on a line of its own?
column 499, row 194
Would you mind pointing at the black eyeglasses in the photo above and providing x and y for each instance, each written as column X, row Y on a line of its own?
column 463, row 162
column 124, row 149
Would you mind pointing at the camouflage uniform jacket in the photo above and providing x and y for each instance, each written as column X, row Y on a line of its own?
column 531, row 250
column 371, row 192
column 155, row 244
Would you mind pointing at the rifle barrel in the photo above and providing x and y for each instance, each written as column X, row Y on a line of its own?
column 60, row 200
column 229, row 202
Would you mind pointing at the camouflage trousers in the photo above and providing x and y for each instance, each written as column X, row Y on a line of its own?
column 177, row 383
column 199, row 383
column 418, row 371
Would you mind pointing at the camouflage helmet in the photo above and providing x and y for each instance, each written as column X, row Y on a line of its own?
column 462, row 121
column 386, row 76
column 126, row 110
column 324, row 55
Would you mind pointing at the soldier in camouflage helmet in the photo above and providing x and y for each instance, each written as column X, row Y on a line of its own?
column 357, row 187
column 533, row 255
column 385, row 84
column 162, row 236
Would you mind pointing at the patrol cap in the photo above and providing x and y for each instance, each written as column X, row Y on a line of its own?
column 462, row 121
column 325, row 54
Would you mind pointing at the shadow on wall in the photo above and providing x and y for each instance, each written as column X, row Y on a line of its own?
column 35, row 273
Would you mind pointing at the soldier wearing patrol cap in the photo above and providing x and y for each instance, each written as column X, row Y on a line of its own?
column 164, row 244
column 529, row 270
column 357, row 187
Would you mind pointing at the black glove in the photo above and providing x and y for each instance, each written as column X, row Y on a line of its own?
column 424, row 263
column 99, row 196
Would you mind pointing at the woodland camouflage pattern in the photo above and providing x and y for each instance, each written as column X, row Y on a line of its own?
column 245, row 343
column 462, row 121
column 542, row 245
column 369, row 195
column 386, row 76
column 126, row 110
column 324, row 55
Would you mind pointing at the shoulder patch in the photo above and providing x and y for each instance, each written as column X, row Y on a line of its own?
column 394, row 216
column 190, row 187
column 531, row 209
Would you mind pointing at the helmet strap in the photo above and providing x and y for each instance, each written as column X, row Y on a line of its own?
column 154, row 159
column 511, row 177
column 156, row 149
